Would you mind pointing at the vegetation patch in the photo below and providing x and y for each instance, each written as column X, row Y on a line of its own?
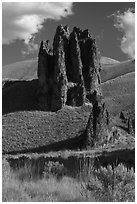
column 110, row 184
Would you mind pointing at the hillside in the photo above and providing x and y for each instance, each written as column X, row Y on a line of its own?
column 106, row 61
column 24, row 126
column 19, row 96
column 23, row 70
column 30, row 130
column 119, row 69
column 119, row 93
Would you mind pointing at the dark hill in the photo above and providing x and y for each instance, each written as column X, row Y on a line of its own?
column 19, row 95
column 34, row 130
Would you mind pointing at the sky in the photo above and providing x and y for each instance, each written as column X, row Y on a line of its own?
column 24, row 25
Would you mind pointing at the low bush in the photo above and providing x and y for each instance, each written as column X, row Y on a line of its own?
column 112, row 184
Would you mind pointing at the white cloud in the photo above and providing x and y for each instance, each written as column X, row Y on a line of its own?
column 21, row 20
column 126, row 24
column 31, row 47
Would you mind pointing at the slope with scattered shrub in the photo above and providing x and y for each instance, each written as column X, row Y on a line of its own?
column 119, row 93
column 29, row 130
column 119, row 69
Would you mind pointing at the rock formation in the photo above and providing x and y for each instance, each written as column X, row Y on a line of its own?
column 98, row 122
column 45, row 76
column 131, row 126
column 69, row 74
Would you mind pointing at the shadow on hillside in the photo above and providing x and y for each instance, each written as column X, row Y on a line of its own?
column 19, row 96
column 112, row 157
column 68, row 144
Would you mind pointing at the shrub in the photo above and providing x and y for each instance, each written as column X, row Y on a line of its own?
column 55, row 169
column 112, row 184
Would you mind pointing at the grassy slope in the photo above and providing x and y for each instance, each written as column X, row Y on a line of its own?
column 105, row 61
column 26, row 130
column 23, row 70
column 111, row 72
column 119, row 93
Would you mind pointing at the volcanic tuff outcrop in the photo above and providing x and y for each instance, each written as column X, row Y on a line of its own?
column 98, row 123
column 69, row 73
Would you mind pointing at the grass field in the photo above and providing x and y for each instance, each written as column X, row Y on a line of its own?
column 91, row 185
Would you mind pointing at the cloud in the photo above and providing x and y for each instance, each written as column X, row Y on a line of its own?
column 31, row 47
column 21, row 20
column 126, row 24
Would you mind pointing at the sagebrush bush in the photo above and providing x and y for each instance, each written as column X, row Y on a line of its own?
column 113, row 184
column 55, row 169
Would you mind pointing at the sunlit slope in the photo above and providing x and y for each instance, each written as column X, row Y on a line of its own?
column 106, row 61
column 119, row 93
column 23, row 70
column 119, row 69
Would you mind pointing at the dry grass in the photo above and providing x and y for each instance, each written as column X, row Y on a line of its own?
column 45, row 190
column 103, row 184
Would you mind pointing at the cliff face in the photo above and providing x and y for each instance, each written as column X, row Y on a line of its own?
column 69, row 74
